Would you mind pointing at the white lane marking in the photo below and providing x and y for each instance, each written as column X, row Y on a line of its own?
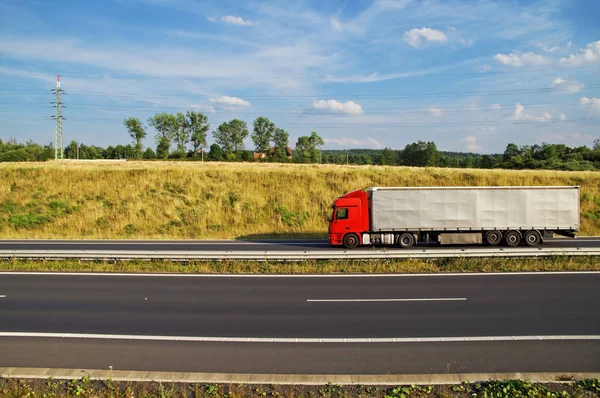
column 158, row 275
column 298, row 339
column 384, row 300
column 2, row 295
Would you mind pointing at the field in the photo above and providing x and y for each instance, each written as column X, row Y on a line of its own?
column 185, row 200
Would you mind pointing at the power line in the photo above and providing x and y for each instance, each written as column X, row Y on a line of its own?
column 419, row 109
column 540, row 90
column 312, row 111
column 327, row 78
column 347, row 125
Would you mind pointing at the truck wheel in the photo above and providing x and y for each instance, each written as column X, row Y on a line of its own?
column 532, row 238
column 406, row 240
column 512, row 238
column 350, row 241
column 493, row 238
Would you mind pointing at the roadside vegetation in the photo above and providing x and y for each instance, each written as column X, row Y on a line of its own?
column 85, row 387
column 195, row 200
column 549, row 264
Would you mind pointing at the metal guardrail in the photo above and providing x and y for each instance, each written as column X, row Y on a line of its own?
column 296, row 255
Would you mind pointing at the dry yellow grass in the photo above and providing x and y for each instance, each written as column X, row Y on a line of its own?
column 177, row 200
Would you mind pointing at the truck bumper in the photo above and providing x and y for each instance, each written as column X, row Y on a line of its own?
column 335, row 239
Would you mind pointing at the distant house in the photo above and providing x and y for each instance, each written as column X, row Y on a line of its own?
column 270, row 153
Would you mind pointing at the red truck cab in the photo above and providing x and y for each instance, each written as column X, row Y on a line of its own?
column 349, row 219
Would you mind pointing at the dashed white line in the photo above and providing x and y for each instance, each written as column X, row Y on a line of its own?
column 383, row 300
column 2, row 295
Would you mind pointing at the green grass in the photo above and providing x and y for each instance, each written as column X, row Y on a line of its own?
column 559, row 263
column 194, row 200
column 85, row 387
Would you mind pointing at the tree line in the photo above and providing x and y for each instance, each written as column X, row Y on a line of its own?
column 175, row 133
column 426, row 154
column 184, row 136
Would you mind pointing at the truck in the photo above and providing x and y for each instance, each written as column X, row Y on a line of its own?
column 405, row 216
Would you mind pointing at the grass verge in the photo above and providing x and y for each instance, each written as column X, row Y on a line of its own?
column 558, row 263
column 85, row 387
column 195, row 200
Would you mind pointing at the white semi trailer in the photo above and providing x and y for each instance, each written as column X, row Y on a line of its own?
column 454, row 215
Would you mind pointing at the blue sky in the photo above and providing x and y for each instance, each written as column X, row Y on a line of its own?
column 471, row 75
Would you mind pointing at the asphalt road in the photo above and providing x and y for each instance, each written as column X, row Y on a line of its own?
column 301, row 307
column 230, row 245
column 317, row 358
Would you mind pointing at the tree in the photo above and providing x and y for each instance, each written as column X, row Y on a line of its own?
column 315, row 143
column 198, row 126
column 182, row 134
column 307, row 148
column 264, row 130
column 230, row 136
column 149, row 154
column 71, row 150
column 420, row 154
column 302, row 150
column 388, row 158
column 137, row 132
column 166, row 126
column 281, row 143
column 215, row 153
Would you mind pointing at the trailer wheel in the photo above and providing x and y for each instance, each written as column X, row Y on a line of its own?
column 406, row 240
column 493, row 238
column 350, row 241
column 512, row 238
column 532, row 238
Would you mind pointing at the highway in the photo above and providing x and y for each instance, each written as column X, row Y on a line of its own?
column 303, row 324
column 272, row 249
column 230, row 245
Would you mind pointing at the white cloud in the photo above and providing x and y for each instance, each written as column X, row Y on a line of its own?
column 235, row 20
column 348, row 141
column 415, row 37
column 484, row 68
column 336, row 24
column 591, row 102
column 563, row 117
column 466, row 42
column 588, row 55
column 522, row 59
column 211, row 19
column 547, row 49
column 496, row 106
column 227, row 101
column 349, row 107
column 437, row 112
column 567, row 85
column 519, row 114
column 472, row 145
column 203, row 108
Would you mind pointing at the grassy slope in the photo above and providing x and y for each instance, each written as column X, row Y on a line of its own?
column 430, row 266
column 220, row 200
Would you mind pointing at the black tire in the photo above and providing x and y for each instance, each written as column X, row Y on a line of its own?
column 512, row 238
column 351, row 241
column 406, row 240
column 532, row 238
column 493, row 238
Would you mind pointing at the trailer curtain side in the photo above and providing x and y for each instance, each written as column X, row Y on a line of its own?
column 474, row 208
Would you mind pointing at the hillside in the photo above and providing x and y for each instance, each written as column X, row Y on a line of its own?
column 185, row 200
